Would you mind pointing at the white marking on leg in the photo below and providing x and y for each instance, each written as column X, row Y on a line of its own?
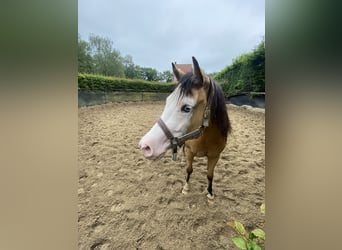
column 210, row 197
column 186, row 188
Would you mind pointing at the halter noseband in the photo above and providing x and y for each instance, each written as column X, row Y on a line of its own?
column 179, row 141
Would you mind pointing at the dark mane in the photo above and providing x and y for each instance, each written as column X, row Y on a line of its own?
column 187, row 82
column 218, row 109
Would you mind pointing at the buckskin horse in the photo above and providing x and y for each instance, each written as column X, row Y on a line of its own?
column 195, row 115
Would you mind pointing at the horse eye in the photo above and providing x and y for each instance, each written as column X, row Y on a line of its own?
column 186, row 108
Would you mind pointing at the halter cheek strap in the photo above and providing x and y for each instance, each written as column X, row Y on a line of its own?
column 165, row 129
column 173, row 140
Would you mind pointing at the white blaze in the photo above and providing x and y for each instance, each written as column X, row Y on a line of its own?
column 155, row 143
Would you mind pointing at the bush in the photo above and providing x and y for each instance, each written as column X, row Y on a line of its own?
column 89, row 82
column 245, row 74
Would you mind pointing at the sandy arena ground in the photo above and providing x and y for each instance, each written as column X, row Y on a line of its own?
column 128, row 202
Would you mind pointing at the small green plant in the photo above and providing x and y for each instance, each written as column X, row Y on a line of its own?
column 263, row 208
column 248, row 240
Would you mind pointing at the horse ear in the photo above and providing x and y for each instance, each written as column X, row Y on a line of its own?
column 200, row 75
column 177, row 72
column 197, row 70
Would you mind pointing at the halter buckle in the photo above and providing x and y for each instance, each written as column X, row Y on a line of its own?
column 206, row 115
column 174, row 144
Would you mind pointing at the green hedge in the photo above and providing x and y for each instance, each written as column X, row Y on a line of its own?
column 89, row 82
column 245, row 74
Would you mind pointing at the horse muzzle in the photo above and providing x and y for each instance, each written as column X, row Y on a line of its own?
column 154, row 144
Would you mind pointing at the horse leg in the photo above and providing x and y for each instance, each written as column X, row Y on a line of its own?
column 189, row 160
column 210, row 175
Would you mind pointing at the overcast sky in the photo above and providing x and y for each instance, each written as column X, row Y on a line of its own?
column 156, row 33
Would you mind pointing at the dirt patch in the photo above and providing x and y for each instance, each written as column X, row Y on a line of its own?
column 128, row 202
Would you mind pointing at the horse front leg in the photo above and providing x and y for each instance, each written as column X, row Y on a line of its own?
column 210, row 175
column 189, row 161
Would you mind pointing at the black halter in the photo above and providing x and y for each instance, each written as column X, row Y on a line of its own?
column 179, row 141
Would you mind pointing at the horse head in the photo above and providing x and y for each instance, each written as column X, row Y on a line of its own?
column 184, row 112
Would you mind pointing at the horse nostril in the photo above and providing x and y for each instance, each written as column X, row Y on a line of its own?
column 146, row 150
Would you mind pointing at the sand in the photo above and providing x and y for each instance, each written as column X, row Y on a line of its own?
column 128, row 202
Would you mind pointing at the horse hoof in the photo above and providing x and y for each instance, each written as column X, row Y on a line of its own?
column 210, row 197
column 185, row 188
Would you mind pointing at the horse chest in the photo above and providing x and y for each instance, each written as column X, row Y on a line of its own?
column 201, row 153
column 198, row 149
column 206, row 147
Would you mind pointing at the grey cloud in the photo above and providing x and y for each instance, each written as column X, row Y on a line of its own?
column 155, row 33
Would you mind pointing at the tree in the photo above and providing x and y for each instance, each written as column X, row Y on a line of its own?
column 107, row 60
column 98, row 56
column 131, row 71
column 149, row 74
column 85, row 61
column 166, row 76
